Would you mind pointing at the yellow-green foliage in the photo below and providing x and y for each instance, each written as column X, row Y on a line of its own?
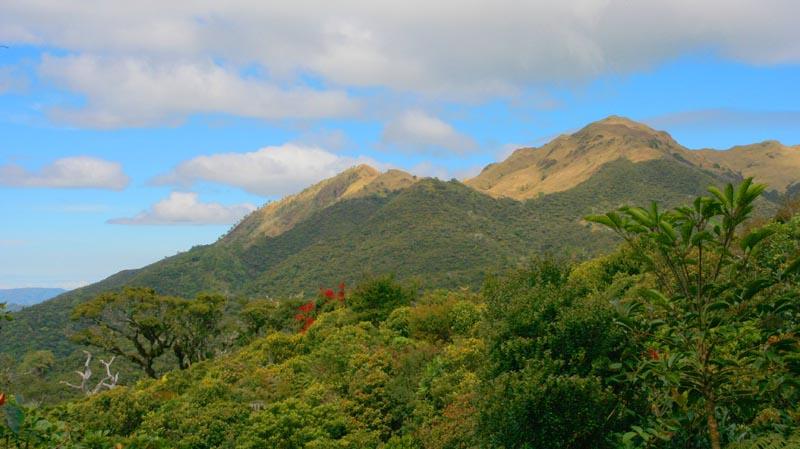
column 544, row 356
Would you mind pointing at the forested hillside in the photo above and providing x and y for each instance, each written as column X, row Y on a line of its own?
column 685, row 335
column 389, row 311
column 443, row 234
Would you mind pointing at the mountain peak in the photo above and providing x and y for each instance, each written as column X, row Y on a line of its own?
column 571, row 159
column 615, row 125
column 361, row 170
column 617, row 120
column 278, row 217
column 769, row 162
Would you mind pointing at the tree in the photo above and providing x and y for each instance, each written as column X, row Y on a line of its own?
column 258, row 315
column 196, row 326
column 4, row 315
column 375, row 298
column 546, row 377
column 141, row 326
column 133, row 323
column 716, row 325
column 108, row 382
column 37, row 363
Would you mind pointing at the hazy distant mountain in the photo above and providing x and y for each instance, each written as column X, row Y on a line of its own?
column 445, row 234
column 17, row 298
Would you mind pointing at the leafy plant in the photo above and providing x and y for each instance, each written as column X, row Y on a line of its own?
column 142, row 326
column 711, row 353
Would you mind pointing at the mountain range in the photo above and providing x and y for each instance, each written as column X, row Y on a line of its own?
column 18, row 298
column 442, row 234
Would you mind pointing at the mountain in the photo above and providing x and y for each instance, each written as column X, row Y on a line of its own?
column 571, row 159
column 278, row 217
column 770, row 162
column 17, row 298
column 443, row 234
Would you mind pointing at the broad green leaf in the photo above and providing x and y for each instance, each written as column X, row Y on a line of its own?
column 14, row 417
column 793, row 268
column 754, row 238
column 753, row 287
column 655, row 296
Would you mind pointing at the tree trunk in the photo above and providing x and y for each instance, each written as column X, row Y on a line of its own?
column 713, row 428
column 148, row 368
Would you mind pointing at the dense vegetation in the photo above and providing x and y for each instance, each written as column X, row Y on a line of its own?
column 685, row 336
column 442, row 234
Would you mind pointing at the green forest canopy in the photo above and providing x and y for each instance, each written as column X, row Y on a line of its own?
column 651, row 346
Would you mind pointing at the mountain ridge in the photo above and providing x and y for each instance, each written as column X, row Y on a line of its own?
column 570, row 159
column 445, row 234
column 769, row 161
column 279, row 216
column 27, row 296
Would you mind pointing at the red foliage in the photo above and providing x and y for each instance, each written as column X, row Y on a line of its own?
column 307, row 310
column 2, row 399
column 653, row 354
column 307, row 323
column 305, row 316
column 307, row 307
column 330, row 294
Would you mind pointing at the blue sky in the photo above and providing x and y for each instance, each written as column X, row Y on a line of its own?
column 130, row 133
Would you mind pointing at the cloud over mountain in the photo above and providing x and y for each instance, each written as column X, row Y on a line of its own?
column 185, row 208
column 269, row 171
column 416, row 130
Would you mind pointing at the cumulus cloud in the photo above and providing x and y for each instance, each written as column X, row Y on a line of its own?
column 140, row 92
column 70, row 172
column 184, row 208
column 487, row 47
column 269, row 171
column 418, row 131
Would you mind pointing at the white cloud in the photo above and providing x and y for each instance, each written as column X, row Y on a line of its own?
column 444, row 172
column 418, row 131
column 69, row 172
column 448, row 47
column 184, row 208
column 270, row 171
column 140, row 92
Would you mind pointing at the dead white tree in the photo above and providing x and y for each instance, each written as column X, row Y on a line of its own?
column 108, row 382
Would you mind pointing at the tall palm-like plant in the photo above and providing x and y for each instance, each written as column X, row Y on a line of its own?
column 702, row 316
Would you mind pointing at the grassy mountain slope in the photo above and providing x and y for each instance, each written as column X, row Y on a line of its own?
column 446, row 234
column 280, row 216
column 571, row 159
column 769, row 162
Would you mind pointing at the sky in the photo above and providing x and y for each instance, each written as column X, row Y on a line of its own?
column 131, row 131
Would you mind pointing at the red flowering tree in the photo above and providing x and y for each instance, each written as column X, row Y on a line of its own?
column 307, row 312
column 306, row 315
